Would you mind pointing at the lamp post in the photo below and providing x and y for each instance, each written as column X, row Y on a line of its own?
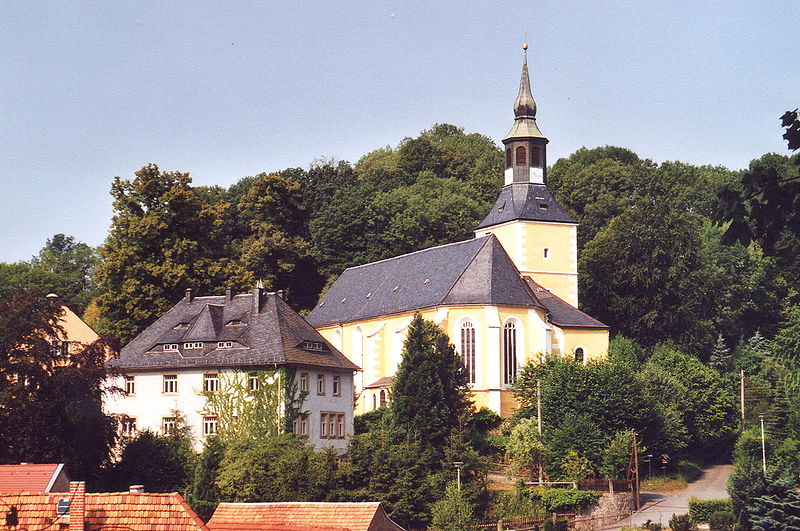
column 763, row 447
column 458, row 465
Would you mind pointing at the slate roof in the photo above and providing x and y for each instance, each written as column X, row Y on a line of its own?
column 472, row 272
column 386, row 381
column 272, row 335
column 317, row 516
column 28, row 477
column 107, row 510
column 562, row 313
column 527, row 201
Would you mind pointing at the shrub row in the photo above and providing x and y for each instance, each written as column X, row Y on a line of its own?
column 700, row 511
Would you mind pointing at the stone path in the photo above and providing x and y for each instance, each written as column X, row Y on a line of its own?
column 659, row 506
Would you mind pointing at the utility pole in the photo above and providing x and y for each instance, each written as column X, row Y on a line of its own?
column 539, row 419
column 636, row 470
column 741, row 398
column 763, row 447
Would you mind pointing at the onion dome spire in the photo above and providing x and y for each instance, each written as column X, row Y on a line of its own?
column 525, row 106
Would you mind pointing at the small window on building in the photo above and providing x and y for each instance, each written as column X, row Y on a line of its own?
column 210, row 425
column 522, row 158
column 168, row 425
column 171, row 347
column 303, row 382
column 128, row 427
column 468, row 349
column 301, row 425
column 536, row 157
column 383, row 398
column 170, row 384
column 374, row 402
column 234, row 322
column 210, row 382
column 546, row 253
column 180, row 326
column 543, row 206
column 508, row 158
column 323, row 426
column 337, row 386
column 320, row 384
column 252, row 381
column 225, row 344
column 332, row 425
column 579, row 356
column 130, row 385
column 194, row 345
column 316, row 346
column 65, row 348
column 340, row 426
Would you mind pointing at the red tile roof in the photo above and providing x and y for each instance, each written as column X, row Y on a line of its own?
column 316, row 516
column 108, row 510
column 28, row 477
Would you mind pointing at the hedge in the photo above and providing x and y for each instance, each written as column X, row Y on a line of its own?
column 700, row 511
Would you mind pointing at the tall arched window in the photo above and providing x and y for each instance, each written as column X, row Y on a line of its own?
column 521, row 156
column 509, row 352
column 468, row 348
column 374, row 402
column 579, row 357
column 383, row 398
column 508, row 158
column 536, row 157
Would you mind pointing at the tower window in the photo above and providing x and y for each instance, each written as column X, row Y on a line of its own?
column 508, row 158
column 536, row 157
column 546, row 253
column 522, row 157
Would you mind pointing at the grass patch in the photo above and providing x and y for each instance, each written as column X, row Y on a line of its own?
column 664, row 484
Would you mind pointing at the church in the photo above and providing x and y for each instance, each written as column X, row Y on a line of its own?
column 506, row 297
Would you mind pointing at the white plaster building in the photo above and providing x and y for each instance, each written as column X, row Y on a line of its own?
column 233, row 346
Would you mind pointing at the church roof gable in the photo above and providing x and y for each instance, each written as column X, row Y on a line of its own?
column 468, row 272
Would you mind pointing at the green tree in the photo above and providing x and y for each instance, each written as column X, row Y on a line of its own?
column 617, row 455
column 453, row 512
column 50, row 402
column 204, row 495
column 73, row 264
column 720, row 359
column 786, row 348
column 164, row 238
column 429, row 394
column 525, row 449
column 158, row 462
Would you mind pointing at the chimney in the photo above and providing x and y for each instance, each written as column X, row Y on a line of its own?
column 77, row 505
column 258, row 294
column 136, row 489
column 189, row 295
column 228, row 295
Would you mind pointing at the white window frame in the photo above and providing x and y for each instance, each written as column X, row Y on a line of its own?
column 130, row 385
column 171, row 347
column 169, row 384
column 470, row 364
column 252, row 381
column 210, row 382
column 210, row 425
column 304, row 382
column 336, row 388
column 508, row 377
column 168, row 425
column 128, row 427
column 193, row 345
column 225, row 344
column 321, row 384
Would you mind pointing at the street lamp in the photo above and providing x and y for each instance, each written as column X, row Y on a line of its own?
column 458, row 465
column 763, row 447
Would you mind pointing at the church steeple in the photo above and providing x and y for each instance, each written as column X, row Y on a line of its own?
column 526, row 160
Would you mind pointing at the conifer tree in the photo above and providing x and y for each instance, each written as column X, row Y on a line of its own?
column 720, row 359
column 204, row 495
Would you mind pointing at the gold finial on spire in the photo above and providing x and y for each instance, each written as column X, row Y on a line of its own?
column 525, row 46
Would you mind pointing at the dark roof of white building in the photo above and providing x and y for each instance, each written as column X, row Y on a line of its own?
column 472, row 272
column 266, row 333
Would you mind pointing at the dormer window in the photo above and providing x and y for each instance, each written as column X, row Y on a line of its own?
column 225, row 344
column 316, row 346
column 180, row 326
column 170, row 347
column 194, row 345
column 234, row 322
column 542, row 206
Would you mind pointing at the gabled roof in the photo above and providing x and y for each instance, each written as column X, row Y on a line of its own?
column 107, row 510
column 316, row 516
column 274, row 334
column 473, row 272
column 527, row 201
column 29, row 477
column 562, row 313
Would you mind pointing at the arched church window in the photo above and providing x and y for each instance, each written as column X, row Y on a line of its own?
column 521, row 156
column 579, row 357
column 536, row 157
column 468, row 348
column 509, row 352
column 508, row 158
column 383, row 397
column 374, row 402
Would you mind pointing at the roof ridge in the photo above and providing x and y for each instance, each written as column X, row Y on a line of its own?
column 488, row 237
column 414, row 252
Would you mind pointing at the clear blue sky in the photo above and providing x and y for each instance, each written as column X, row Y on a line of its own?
column 90, row 90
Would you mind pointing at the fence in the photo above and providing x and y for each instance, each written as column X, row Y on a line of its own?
column 557, row 522
column 606, row 485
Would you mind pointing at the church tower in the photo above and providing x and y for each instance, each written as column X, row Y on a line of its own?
column 538, row 235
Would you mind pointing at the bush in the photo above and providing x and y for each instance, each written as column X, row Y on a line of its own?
column 681, row 522
column 568, row 500
column 689, row 470
column 700, row 511
column 721, row 521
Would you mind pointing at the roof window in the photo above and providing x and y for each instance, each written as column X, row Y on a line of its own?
column 395, row 288
column 180, row 325
column 234, row 322
column 542, row 206
column 343, row 300
column 369, row 295
column 426, row 281
column 316, row 346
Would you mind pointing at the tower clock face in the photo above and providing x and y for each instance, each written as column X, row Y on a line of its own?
column 537, row 175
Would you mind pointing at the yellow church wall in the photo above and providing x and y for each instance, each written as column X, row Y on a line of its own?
column 526, row 241
column 594, row 343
